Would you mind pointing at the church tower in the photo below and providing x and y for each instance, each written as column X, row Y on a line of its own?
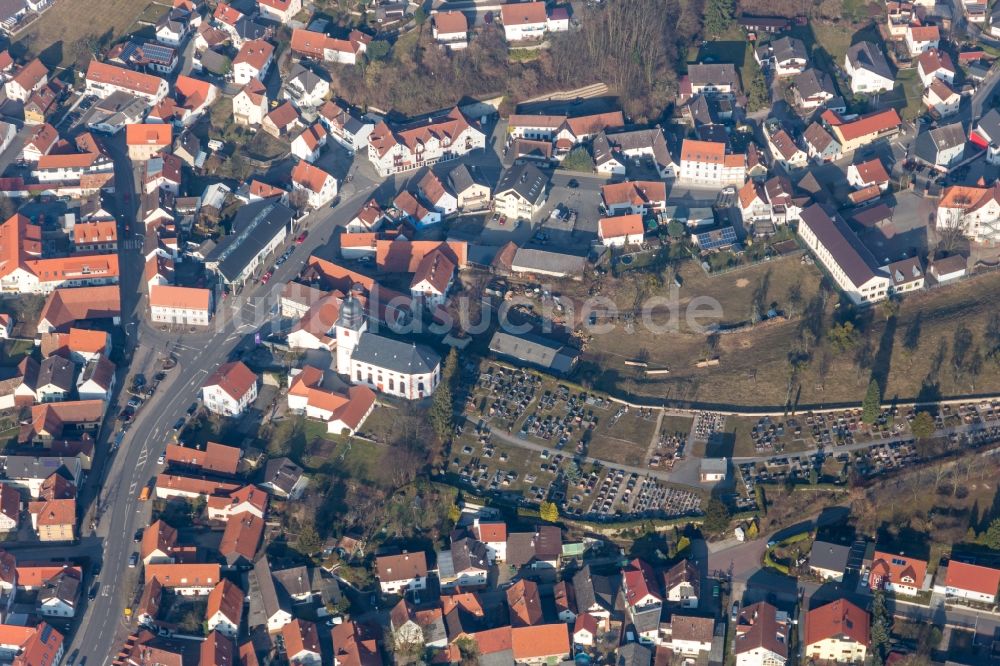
column 349, row 327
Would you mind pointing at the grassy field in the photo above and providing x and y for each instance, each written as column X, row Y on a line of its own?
column 624, row 442
column 834, row 39
column 909, row 85
column 754, row 367
column 62, row 35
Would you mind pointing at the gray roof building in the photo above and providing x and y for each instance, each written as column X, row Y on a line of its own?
column 941, row 146
column 63, row 588
column 282, row 476
column 595, row 590
column 395, row 355
column 524, row 180
column 255, row 228
column 464, row 176
column 716, row 75
column 534, row 350
column 634, row 654
column 264, row 601
column 814, row 83
column 56, row 371
column 829, row 556
column 851, row 255
column 865, row 55
column 547, row 262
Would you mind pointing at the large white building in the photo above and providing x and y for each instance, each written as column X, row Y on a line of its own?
column 707, row 164
column 974, row 211
column 185, row 306
column 103, row 79
column 441, row 138
column 402, row 369
column 868, row 69
column 849, row 263
column 230, row 390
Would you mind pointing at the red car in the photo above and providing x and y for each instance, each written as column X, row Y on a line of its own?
column 266, row 276
column 301, row 237
column 503, row 221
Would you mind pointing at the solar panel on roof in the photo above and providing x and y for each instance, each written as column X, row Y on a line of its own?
column 710, row 240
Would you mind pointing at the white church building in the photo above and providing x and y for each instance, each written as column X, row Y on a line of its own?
column 402, row 369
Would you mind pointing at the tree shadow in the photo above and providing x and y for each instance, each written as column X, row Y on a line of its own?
column 52, row 55
column 883, row 357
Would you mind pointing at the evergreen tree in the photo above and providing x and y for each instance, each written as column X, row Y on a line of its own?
column 719, row 16
column 716, row 515
column 442, row 413
column 871, row 408
column 881, row 626
column 991, row 538
column 923, row 425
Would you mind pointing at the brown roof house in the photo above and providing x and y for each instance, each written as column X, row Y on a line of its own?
column 398, row 573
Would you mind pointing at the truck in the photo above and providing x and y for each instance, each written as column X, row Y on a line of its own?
column 144, row 494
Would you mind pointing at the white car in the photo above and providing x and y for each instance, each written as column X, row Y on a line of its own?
column 161, row 459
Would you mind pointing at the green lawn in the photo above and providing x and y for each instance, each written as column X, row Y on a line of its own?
column 909, row 85
column 833, row 40
column 14, row 350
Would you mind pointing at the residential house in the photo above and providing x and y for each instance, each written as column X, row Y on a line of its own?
column 785, row 152
column 837, row 632
column 144, row 141
column 281, row 11
column 829, row 560
column 284, row 479
column 596, row 594
column 682, row 585
column 10, row 508
column 241, row 538
column 103, row 79
column 786, row 55
column 640, row 586
column 422, row 143
column 329, row 49
column 188, row 579
column 97, row 380
column 897, row 573
column 229, row 499
column 319, row 187
column 450, row 28
column 708, row 163
column 470, row 188
column 965, row 580
column 42, row 103
column 868, row 69
column 59, row 596
column 494, row 536
column 230, row 390
column 523, row 21
column 309, row 143
column 863, row 130
column 688, row 635
column 346, row 126
column 813, row 88
column 942, row 147
column 302, row 643
column 250, row 104
column 642, row 197
column 401, row 573
column 921, row 38
column 253, row 61
column 620, row 231
column 521, row 192
column 986, row 135
column 267, row 609
column 343, row 413
column 973, row 210
column 39, row 143
column 433, row 278
column 27, row 80
column 934, row 64
column 712, row 80
column 213, row 457
column 54, row 520
column 524, row 603
column 949, row 268
column 868, row 173
column 762, row 635
column 941, row 99
column 540, row 644
column 465, row 565
column 305, row 87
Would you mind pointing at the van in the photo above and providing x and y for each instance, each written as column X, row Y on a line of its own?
column 144, row 495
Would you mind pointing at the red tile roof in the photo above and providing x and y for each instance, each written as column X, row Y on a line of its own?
column 235, row 378
column 897, row 569
column 523, row 13
column 617, row 227
column 100, row 72
column 226, row 598
column 540, row 641
column 972, row 577
column 839, row 619
column 255, row 53
column 241, row 536
column 181, row 298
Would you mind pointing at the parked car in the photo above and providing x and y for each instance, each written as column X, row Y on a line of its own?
column 133, row 560
column 137, row 537
column 301, row 237
column 179, row 424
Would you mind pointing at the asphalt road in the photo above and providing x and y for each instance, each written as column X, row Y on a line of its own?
column 102, row 627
